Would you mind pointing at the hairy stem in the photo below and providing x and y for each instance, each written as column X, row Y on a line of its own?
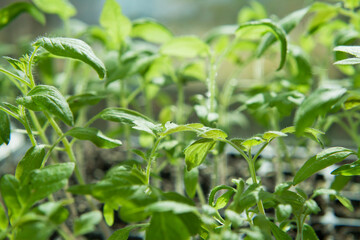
column 27, row 126
column 151, row 159
column 251, row 163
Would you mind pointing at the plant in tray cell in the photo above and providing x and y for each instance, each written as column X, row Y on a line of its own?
column 33, row 180
column 128, row 188
column 143, row 60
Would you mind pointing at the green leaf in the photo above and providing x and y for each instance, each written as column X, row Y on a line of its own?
column 63, row 8
column 288, row 23
column 133, row 62
column 86, row 222
column 219, row 32
column 353, row 50
column 301, row 192
column 253, row 12
column 188, row 214
column 344, row 201
column 48, row 98
column 234, row 217
column 263, row 223
column 166, row 226
column 187, row 47
column 352, row 102
column 12, row 108
column 351, row 3
column 4, row 128
column 32, row 160
column 238, row 142
column 9, row 187
column 95, row 136
column 351, row 169
column 150, row 31
column 311, row 207
column 293, row 19
column 162, row 66
column 348, row 61
column 196, row 152
column 39, row 230
column 123, row 233
column 80, row 100
column 311, row 133
column 300, row 68
column 272, row 134
column 309, row 233
column 127, row 116
column 325, row 12
column 289, row 197
column 54, row 211
column 253, row 141
column 81, row 189
column 195, row 70
column 283, row 211
column 320, row 161
column 220, row 200
column 4, row 222
column 171, row 127
column 72, row 48
column 317, row 103
column 213, row 133
column 223, row 200
column 340, row 182
column 249, row 197
column 16, row 63
column 43, row 182
column 277, row 232
column 123, row 186
column 191, row 181
column 171, row 206
column 276, row 29
column 256, row 233
column 10, row 12
column 283, row 186
column 117, row 26
column 323, row 191
column 108, row 213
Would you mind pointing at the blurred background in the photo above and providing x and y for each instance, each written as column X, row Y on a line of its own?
column 181, row 16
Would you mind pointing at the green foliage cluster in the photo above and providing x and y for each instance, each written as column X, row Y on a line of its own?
column 140, row 61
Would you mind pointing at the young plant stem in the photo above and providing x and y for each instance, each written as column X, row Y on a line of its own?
column 299, row 224
column 67, row 146
column 14, row 115
column 65, row 233
column 200, row 194
column 27, row 126
column 78, row 175
column 151, row 159
column 252, row 171
column 69, row 67
column 180, row 119
column 29, row 68
column 348, row 129
column 11, row 76
column 281, row 150
column 212, row 84
column 52, row 147
column 148, row 105
column 124, row 103
column 353, row 127
column 39, row 128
